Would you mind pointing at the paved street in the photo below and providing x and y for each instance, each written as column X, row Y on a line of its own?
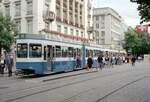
column 119, row 84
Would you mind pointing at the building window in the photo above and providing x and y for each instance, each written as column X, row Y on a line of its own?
column 102, row 25
column 102, row 22
column 71, row 31
column 65, row 30
column 97, row 25
column 46, row 25
column 103, row 18
column 59, row 28
column 46, row 6
column 97, row 18
column 7, row 10
column 30, row 26
column 18, row 8
column 29, row 7
column 18, row 25
column 77, row 33
column 58, row 12
column 103, row 33
column 82, row 34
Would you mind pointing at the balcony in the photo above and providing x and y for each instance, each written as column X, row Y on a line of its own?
column 65, row 20
column 58, row 19
column 71, row 23
column 81, row 26
column 76, row 25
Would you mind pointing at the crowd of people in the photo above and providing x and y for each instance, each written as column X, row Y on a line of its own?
column 6, row 63
column 111, row 60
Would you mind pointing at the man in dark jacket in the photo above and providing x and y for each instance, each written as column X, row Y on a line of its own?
column 9, row 64
column 100, row 61
column 133, row 60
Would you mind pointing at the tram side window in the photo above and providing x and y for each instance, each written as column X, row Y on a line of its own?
column 70, row 51
column 87, row 53
column 91, row 53
column 64, row 51
column 58, row 51
column 78, row 51
column 22, row 50
column 96, row 53
column 35, row 50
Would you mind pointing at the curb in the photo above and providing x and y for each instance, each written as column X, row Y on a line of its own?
column 65, row 76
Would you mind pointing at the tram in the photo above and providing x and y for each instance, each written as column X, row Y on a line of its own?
column 36, row 54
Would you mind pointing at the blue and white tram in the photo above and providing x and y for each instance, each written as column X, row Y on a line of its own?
column 38, row 55
column 41, row 56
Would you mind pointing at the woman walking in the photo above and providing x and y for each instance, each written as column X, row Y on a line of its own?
column 89, row 63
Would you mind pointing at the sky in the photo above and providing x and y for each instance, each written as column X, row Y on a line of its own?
column 126, row 9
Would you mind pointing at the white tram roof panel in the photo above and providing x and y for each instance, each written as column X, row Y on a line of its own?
column 49, row 42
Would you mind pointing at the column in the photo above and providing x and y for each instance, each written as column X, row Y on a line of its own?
column 73, row 12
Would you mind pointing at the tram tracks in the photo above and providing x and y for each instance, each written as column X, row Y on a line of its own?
column 70, row 99
column 61, row 86
column 120, row 88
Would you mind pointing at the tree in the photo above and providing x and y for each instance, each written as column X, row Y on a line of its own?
column 137, row 43
column 144, row 9
column 131, row 40
column 7, row 30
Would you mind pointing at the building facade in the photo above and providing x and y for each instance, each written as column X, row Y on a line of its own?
column 59, row 19
column 108, row 28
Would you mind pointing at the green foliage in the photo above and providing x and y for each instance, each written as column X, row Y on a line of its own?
column 144, row 10
column 6, row 33
column 138, row 43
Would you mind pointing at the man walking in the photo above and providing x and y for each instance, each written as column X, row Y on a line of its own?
column 9, row 64
column 133, row 60
column 100, row 61
column 78, row 61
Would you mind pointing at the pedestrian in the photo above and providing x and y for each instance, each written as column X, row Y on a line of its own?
column 107, row 60
column 89, row 63
column 78, row 62
column 9, row 63
column 100, row 62
column 123, row 59
column 2, row 65
column 133, row 60
column 113, row 60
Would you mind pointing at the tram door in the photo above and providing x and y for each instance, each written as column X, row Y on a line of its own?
column 49, row 57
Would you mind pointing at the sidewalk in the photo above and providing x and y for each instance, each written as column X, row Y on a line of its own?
column 68, row 74
column 79, row 72
column 6, row 70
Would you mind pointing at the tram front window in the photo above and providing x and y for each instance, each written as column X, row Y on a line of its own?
column 35, row 51
column 22, row 50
